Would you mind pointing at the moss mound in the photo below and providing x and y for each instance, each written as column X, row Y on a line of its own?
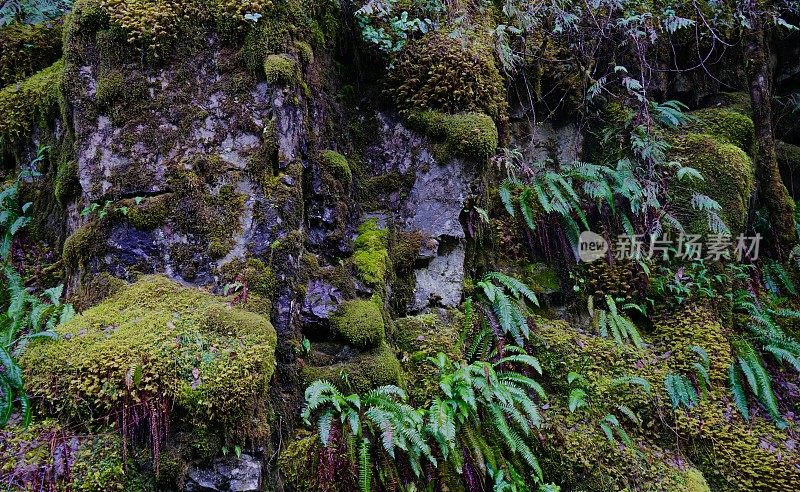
column 360, row 323
column 157, row 339
column 726, row 125
column 281, row 70
column 463, row 135
column 337, row 165
column 26, row 49
column 370, row 369
column 440, row 73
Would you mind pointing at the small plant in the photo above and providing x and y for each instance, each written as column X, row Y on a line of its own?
column 749, row 367
column 614, row 323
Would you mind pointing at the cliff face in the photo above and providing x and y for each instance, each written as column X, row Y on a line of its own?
column 240, row 206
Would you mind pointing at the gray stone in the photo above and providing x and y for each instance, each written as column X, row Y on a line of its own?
column 242, row 474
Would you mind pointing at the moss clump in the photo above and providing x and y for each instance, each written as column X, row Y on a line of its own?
column 728, row 178
column 727, row 126
column 371, row 255
column 158, row 340
column 94, row 289
column 440, row 73
column 360, row 323
column 463, row 135
column 337, row 165
column 25, row 49
column 150, row 213
column 66, row 182
column 297, row 463
column 281, row 70
column 86, row 242
column 29, row 104
column 370, row 369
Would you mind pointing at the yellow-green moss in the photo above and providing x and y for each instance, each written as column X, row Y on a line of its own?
column 370, row 369
column 86, row 242
column 463, row 135
column 726, row 125
column 157, row 339
column 298, row 462
column 441, row 73
column 281, row 70
column 337, row 165
column 25, row 49
column 95, row 289
column 728, row 178
column 29, row 104
column 360, row 322
column 371, row 256
column 259, row 279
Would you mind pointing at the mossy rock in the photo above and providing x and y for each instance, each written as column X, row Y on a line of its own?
column 462, row 135
column 281, row 70
column 728, row 177
column 38, row 455
column 25, row 49
column 158, row 340
column 448, row 75
column 367, row 370
column 337, row 165
column 360, row 323
column 371, row 255
column 29, row 104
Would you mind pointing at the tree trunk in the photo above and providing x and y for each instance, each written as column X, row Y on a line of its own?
column 773, row 192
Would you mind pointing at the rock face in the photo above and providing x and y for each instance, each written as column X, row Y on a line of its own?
column 242, row 474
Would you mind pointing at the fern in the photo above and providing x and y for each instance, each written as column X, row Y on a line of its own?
column 758, row 379
column 364, row 467
column 613, row 323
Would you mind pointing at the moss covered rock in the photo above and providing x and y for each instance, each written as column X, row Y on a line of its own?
column 728, row 177
column 367, row 370
column 158, row 340
column 337, row 165
column 360, row 322
column 281, row 70
column 25, row 49
column 462, row 135
column 726, row 125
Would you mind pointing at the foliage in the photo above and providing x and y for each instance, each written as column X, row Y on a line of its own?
column 503, row 302
column 681, row 389
column 613, row 322
column 32, row 11
column 749, row 367
column 389, row 32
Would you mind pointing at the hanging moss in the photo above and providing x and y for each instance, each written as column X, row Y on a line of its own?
column 25, row 49
column 360, row 322
column 441, row 73
column 370, row 255
column 376, row 367
column 31, row 103
column 158, row 340
column 462, row 135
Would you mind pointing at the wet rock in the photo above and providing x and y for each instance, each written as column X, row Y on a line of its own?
column 322, row 299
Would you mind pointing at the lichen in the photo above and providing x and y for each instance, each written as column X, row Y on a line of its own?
column 370, row 253
column 367, row 370
column 462, row 135
column 158, row 340
column 360, row 322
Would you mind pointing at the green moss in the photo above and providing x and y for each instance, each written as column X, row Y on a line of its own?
column 29, row 104
column 25, row 49
column 95, row 289
column 727, row 126
column 444, row 74
column 728, row 178
column 360, row 322
column 788, row 156
column 463, row 135
column 150, row 213
column 337, row 165
column 541, row 278
column 376, row 367
column 305, row 51
column 86, row 242
column 259, row 279
column 281, row 70
column 66, row 182
column 371, row 256
column 297, row 463
column 158, row 340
